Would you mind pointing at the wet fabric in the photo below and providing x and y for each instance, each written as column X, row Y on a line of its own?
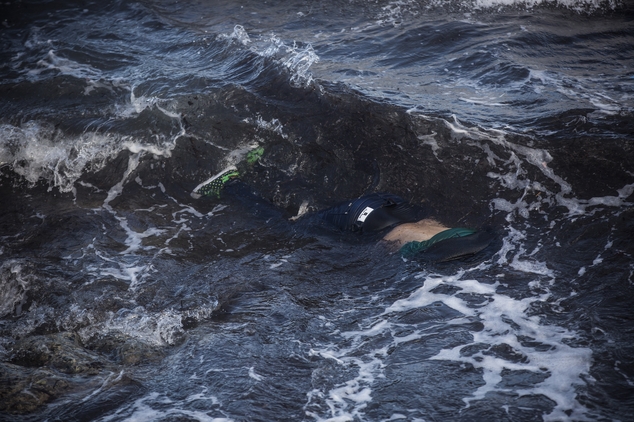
column 412, row 248
column 449, row 245
column 370, row 213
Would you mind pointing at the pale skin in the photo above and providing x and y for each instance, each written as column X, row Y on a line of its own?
column 408, row 232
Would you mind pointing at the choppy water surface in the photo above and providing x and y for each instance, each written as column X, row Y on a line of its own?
column 123, row 298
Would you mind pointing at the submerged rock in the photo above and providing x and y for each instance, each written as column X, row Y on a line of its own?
column 45, row 367
column 125, row 350
column 23, row 390
column 61, row 352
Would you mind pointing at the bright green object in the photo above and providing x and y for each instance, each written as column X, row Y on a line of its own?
column 412, row 248
column 254, row 155
column 214, row 186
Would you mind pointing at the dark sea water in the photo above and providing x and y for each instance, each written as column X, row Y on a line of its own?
column 122, row 298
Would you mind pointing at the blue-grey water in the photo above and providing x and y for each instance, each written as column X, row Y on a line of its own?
column 122, row 298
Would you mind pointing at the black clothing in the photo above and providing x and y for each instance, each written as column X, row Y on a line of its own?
column 371, row 212
column 378, row 211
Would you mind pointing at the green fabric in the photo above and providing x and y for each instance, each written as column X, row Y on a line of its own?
column 254, row 155
column 249, row 160
column 214, row 187
column 412, row 248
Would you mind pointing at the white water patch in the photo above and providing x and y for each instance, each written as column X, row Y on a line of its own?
column 517, row 177
column 346, row 401
column 512, row 254
column 588, row 92
column 132, row 267
column 279, row 261
column 507, row 322
column 598, row 260
column 239, row 34
column 580, row 5
column 431, row 141
column 155, row 406
column 539, row 158
column 239, row 154
column 38, row 151
column 133, row 272
column 274, row 125
column 14, row 284
column 141, row 247
column 66, row 67
column 486, row 101
column 138, row 103
column 134, row 238
column 160, row 329
column 254, row 375
column 110, row 380
column 296, row 58
column 129, row 268
column 397, row 12
column 92, row 77
column 530, row 345
column 576, row 5
column 164, row 328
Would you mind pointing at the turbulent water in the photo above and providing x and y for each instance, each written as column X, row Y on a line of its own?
column 122, row 298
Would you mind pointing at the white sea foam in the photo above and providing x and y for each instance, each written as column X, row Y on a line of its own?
column 508, row 321
column 572, row 4
column 92, row 77
column 274, row 125
column 66, row 67
column 133, row 273
column 586, row 91
column 239, row 34
column 155, row 406
column 484, row 101
column 35, row 40
column 239, row 154
column 347, row 400
column 298, row 61
column 112, row 378
column 517, row 177
column 152, row 328
column 392, row 13
column 508, row 324
column 296, row 58
column 432, row 142
column 14, row 284
column 38, row 151
column 281, row 261
column 577, row 5
column 253, row 375
column 135, row 238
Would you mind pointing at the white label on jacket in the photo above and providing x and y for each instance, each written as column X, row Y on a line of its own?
column 364, row 214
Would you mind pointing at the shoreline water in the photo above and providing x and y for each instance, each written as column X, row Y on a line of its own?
column 123, row 298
